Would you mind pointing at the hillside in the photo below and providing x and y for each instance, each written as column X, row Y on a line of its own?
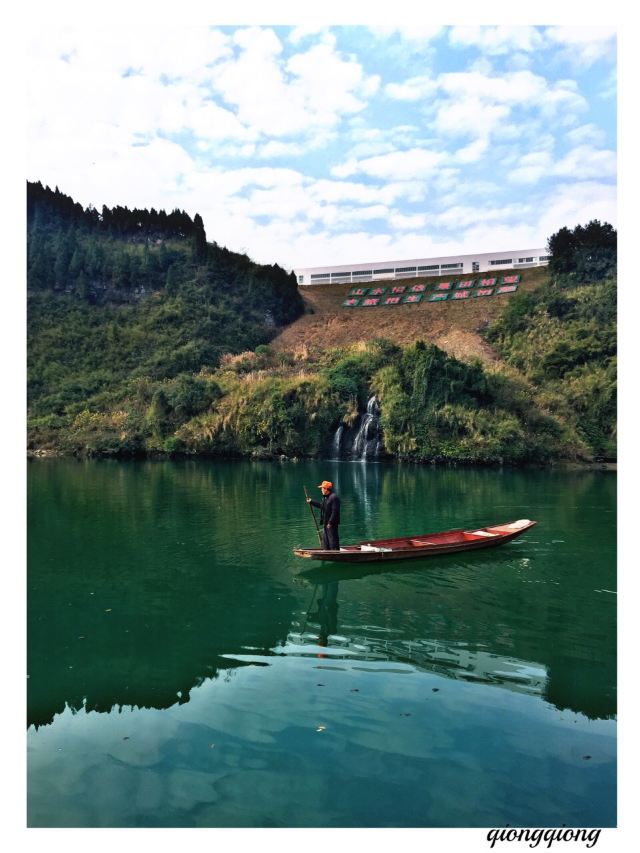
column 455, row 327
column 124, row 294
column 145, row 338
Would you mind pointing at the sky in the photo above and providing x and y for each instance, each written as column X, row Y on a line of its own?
column 309, row 145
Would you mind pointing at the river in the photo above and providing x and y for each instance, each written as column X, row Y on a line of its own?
column 186, row 670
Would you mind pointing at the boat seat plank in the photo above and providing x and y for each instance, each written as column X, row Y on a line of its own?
column 481, row 533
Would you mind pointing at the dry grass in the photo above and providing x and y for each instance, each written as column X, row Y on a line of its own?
column 453, row 326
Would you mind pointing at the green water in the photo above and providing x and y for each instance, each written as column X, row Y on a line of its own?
column 185, row 669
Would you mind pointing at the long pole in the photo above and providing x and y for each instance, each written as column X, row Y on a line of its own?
column 306, row 494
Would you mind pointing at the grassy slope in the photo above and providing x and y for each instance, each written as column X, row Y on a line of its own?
column 455, row 327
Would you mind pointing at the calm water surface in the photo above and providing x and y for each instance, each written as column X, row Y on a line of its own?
column 185, row 669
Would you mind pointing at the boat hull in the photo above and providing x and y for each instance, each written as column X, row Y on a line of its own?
column 404, row 548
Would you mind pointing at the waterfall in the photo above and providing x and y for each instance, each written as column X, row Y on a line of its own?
column 363, row 440
column 337, row 439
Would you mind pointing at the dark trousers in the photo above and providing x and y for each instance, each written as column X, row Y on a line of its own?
column 330, row 538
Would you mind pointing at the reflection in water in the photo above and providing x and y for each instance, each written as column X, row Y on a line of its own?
column 167, row 619
column 450, row 659
column 327, row 612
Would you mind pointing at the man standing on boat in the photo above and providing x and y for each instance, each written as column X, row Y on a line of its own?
column 329, row 515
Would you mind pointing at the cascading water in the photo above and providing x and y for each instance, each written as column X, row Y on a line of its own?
column 362, row 440
column 337, row 439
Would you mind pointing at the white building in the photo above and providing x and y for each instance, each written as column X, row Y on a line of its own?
column 450, row 265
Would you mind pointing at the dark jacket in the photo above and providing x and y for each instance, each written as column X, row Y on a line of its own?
column 329, row 509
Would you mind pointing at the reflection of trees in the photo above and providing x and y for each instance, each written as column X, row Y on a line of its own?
column 140, row 580
column 193, row 562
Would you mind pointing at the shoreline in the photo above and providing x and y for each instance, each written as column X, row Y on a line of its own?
column 562, row 465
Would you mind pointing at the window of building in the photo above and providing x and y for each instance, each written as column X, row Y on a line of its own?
column 450, row 266
column 544, row 258
column 405, row 269
column 300, row 279
column 503, row 261
column 432, row 267
column 475, row 266
column 361, row 272
column 526, row 260
column 319, row 276
column 386, row 269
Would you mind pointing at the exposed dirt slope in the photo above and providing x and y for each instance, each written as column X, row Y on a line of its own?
column 453, row 326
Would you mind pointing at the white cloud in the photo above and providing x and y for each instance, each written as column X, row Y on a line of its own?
column 473, row 152
column 311, row 90
column 469, row 116
column 609, row 87
column 576, row 204
column 496, row 40
column 462, row 216
column 409, row 32
column 531, row 168
column 586, row 133
column 584, row 45
column 587, row 162
column 512, row 89
column 477, row 103
column 275, row 148
column 581, row 163
column 299, row 34
column 398, row 165
column 352, row 191
column 110, row 170
column 404, row 222
column 153, row 51
column 414, row 89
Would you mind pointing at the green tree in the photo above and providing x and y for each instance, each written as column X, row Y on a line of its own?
column 199, row 240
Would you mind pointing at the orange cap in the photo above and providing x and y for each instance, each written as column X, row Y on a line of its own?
column 325, row 484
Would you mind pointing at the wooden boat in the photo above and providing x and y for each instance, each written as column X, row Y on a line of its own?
column 426, row 545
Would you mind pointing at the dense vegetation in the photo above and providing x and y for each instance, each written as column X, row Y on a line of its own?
column 125, row 294
column 562, row 337
column 168, row 358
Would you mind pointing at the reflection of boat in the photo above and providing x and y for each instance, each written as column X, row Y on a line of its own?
column 407, row 547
